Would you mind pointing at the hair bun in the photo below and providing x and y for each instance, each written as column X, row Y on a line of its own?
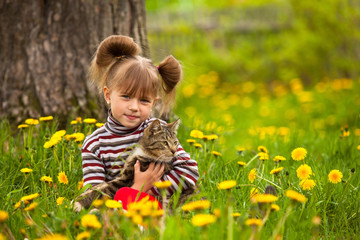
column 115, row 46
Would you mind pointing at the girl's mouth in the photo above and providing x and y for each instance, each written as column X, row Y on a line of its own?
column 130, row 117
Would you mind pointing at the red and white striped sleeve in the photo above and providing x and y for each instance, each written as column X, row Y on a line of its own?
column 184, row 175
column 93, row 167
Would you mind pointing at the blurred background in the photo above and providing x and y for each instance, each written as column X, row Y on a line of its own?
column 262, row 67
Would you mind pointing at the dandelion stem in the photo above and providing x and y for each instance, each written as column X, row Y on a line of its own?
column 281, row 222
column 251, row 160
column 269, row 181
column 345, row 190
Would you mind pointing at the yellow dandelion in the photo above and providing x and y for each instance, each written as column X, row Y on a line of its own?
column 240, row 149
column 23, row 126
column 335, row 176
column 83, row 235
column 29, row 197
column 304, row 171
column 157, row 213
column 196, row 134
column 46, row 179
column 17, row 205
column 60, row 200
column 197, row 145
column 52, row 237
column 252, row 175
column 98, row 202
column 216, row 154
column 265, row 198
column 279, row 159
column 262, row 149
column 47, row 118
column 276, row 170
column 307, row 184
column 2, row 237
column 31, row 207
column 358, row 147
column 212, row 137
column 196, row 205
column 63, row 178
column 31, row 121
column 228, row 184
column 59, row 133
column 242, row 164
column 73, row 122
column 80, row 184
column 99, row 124
column 163, row 185
column 3, row 216
column 137, row 219
column 298, row 154
column 113, row 204
column 263, row 156
column 201, row 220
column 90, row 221
column 295, row 196
column 217, row 212
column 90, row 120
column 254, row 192
column 26, row 170
column 236, row 214
column 253, row 222
column 275, row 207
column 191, row 141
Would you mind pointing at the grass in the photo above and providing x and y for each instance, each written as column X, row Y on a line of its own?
column 277, row 116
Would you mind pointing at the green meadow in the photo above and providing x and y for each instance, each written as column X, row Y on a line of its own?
column 247, row 131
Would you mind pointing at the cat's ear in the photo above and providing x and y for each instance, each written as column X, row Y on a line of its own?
column 174, row 125
column 154, row 127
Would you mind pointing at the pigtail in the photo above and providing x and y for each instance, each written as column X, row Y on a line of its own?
column 111, row 50
column 171, row 73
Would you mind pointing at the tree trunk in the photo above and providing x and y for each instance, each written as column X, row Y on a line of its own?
column 46, row 48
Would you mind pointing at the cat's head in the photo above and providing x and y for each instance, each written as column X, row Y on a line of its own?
column 161, row 141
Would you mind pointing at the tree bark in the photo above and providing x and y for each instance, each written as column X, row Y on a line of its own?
column 46, row 48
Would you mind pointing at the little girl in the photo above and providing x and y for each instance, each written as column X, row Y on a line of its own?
column 131, row 85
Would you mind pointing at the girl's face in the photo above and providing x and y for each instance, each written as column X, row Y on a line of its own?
column 129, row 111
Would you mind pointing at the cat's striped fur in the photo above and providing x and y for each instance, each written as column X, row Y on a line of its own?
column 158, row 144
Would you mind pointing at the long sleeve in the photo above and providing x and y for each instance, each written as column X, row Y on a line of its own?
column 185, row 173
column 93, row 167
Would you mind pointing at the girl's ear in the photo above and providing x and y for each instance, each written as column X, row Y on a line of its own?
column 107, row 94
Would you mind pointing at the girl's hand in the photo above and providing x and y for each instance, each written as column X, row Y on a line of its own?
column 147, row 178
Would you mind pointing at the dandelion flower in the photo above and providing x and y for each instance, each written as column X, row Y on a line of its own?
column 47, row 118
column 304, row 171
column 240, row 150
column 197, row 145
column 358, row 147
column 265, row 198
column 196, row 205
column 279, row 159
column 99, row 124
column 26, row 170
column 191, row 141
column 236, row 214
column 212, row 137
column 31, row 121
column 31, row 207
column 23, row 126
column 216, row 154
column 90, row 221
column 29, row 197
column 253, row 192
column 262, row 149
column 335, row 176
column 137, row 219
column 298, row 154
column 113, row 204
column 263, row 156
column 226, row 184
column 3, row 216
column 242, row 164
column 253, row 222
column 201, row 220
column 98, row 202
column 53, row 237
column 252, row 175
column 63, row 178
column 73, row 122
column 83, row 235
column 276, row 170
column 307, row 184
column 46, row 179
column 90, row 120
column 60, row 200
column 274, row 207
column 163, row 185
column 295, row 196
column 196, row 134
column 80, row 184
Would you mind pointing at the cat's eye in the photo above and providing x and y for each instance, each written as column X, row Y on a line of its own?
column 165, row 143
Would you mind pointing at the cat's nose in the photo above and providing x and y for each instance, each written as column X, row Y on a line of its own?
column 174, row 153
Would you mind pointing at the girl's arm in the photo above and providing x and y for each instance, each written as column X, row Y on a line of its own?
column 185, row 173
column 93, row 168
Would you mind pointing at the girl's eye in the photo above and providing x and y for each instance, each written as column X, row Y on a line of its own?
column 125, row 96
column 145, row 101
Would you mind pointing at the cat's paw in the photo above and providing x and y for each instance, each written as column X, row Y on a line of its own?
column 77, row 207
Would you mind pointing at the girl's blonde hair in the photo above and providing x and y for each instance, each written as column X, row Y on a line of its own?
column 118, row 65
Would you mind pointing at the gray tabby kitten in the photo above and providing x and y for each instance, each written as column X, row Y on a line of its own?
column 159, row 144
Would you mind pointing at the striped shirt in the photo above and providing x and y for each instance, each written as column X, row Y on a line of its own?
column 104, row 153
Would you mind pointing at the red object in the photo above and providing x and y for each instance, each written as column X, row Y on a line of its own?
column 128, row 195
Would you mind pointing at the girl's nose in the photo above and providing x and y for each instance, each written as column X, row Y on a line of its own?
column 133, row 105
